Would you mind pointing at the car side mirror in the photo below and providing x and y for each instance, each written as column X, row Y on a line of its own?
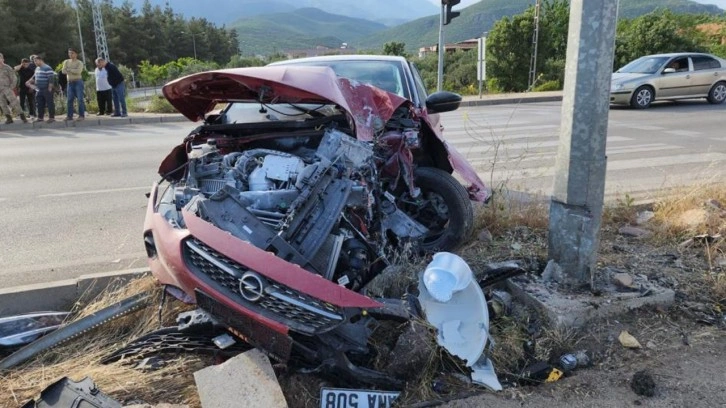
column 443, row 101
column 669, row 70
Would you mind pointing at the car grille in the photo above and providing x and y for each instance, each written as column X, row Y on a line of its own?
column 298, row 311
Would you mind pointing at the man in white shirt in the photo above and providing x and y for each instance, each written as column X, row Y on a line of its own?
column 103, row 89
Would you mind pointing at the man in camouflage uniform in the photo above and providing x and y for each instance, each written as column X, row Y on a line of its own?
column 9, row 82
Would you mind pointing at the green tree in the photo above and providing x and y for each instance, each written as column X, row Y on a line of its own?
column 394, row 48
column 509, row 46
column 652, row 33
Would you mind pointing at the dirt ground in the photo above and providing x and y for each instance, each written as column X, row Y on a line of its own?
column 682, row 346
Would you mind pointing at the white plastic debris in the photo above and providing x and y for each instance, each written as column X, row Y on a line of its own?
column 446, row 273
column 454, row 303
column 483, row 373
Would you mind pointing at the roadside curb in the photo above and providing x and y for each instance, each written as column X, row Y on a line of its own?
column 510, row 100
column 93, row 121
column 61, row 295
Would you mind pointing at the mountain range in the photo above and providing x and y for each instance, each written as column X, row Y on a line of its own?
column 271, row 26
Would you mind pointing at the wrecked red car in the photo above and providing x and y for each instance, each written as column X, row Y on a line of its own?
column 277, row 211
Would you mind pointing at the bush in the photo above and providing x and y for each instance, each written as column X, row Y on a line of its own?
column 159, row 104
column 553, row 85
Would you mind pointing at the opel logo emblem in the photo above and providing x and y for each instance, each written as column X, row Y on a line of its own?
column 251, row 286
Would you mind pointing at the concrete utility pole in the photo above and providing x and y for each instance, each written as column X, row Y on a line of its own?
column 579, row 187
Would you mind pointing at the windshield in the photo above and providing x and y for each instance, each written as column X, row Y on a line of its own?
column 387, row 75
column 644, row 65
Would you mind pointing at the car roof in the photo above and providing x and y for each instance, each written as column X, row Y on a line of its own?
column 346, row 57
column 681, row 54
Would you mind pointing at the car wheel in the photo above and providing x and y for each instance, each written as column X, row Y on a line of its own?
column 642, row 97
column 443, row 207
column 717, row 94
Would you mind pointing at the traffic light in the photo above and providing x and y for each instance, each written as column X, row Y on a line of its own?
column 448, row 13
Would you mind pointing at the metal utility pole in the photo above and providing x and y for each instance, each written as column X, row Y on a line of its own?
column 441, row 47
column 535, row 44
column 100, row 32
column 579, row 187
column 481, row 66
column 447, row 14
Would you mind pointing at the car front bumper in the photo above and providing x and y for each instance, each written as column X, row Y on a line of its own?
column 621, row 97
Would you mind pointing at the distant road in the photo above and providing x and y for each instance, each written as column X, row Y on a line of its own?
column 72, row 201
column 668, row 145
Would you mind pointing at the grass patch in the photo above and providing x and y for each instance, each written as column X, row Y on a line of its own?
column 159, row 104
column 80, row 358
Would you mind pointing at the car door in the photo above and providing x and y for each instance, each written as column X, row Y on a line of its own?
column 706, row 71
column 674, row 84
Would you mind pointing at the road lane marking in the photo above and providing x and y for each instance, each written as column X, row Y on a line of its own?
column 110, row 190
column 684, row 133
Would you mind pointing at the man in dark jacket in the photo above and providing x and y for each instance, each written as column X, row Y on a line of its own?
column 26, row 70
column 118, row 87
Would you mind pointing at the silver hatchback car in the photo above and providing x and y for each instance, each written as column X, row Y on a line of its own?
column 669, row 77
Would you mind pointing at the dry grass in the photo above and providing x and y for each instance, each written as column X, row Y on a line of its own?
column 692, row 212
column 505, row 212
column 80, row 358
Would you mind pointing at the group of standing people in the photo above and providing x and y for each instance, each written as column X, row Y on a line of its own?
column 38, row 82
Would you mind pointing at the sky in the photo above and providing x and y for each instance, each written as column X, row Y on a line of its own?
column 720, row 3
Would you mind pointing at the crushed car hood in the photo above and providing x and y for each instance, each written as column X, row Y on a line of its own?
column 369, row 107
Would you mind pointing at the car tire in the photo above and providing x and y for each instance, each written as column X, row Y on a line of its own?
column 443, row 207
column 717, row 94
column 642, row 97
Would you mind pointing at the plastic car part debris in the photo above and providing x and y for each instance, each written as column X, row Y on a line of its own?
column 445, row 274
column 462, row 320
column 65, row 393
column 540, row 372
column 72, row 330
column 463, row 316
column 22, row 329
column 483, row 373
column 568, row 362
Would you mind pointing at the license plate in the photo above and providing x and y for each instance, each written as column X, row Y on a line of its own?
column 346, row 398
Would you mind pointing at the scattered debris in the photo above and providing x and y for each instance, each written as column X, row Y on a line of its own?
column 22, row 329
column 624, row 280
column 583, row 359
column 635, row 232
column 568, row 362
column 455, row 305
column 643, row 383
column 501, row 303
column 644, row 216
column 66, row 393
column 540, row 372
column 447, row 273
column 627, row 340
column 246, row 380
column 483, row 373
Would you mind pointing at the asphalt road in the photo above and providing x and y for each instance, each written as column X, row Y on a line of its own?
column 72, row 200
